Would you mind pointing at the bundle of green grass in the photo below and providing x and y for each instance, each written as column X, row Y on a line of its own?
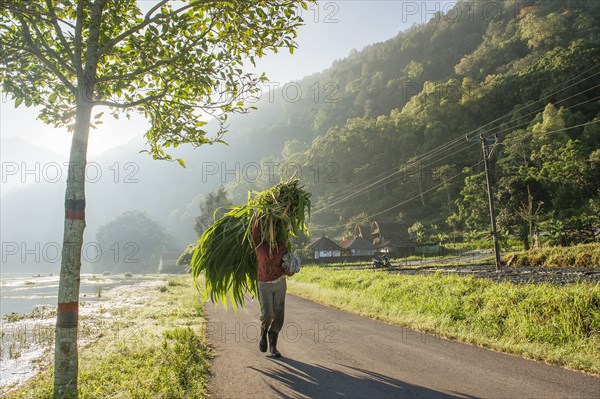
column 225, row 252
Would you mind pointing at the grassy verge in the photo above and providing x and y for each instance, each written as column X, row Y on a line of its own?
column 506, row 243
column 582, row 255
column 451, row 261
column 557, row 324
column 157, row 350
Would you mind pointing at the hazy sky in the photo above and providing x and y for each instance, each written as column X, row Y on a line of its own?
column 332, row 30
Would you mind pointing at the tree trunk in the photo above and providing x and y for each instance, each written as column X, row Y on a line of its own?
column 65, row 356
column 448, row 203
column 525, row 240
column 420, row 185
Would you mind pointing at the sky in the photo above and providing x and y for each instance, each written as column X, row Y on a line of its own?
column 332, row 29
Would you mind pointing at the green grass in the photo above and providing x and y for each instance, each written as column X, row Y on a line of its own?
column 582, row 255
column 556, row 324
column 154, row 351
column 449, row 262
column 508, row 244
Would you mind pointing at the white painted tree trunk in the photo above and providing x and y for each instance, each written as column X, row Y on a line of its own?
column 66, row 357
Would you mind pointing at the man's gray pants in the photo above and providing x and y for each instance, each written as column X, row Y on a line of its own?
column 272, row 305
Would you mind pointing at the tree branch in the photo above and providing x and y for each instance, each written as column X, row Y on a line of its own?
column 139, row 71
column 91, row 51
column 54, row 54
column 148, row 19
column 39, row 15
column 79, row 39
column 161, row 63
column 133, row 103
column 36, row 51
column 59, row 32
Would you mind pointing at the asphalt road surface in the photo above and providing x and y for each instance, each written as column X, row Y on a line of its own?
column 333, row 354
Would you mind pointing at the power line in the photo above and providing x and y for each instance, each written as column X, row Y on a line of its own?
column 455, row 142
column 450, row 179
column 376, row 184
column 548, row 95
column 561, row 130
column 512, row 128
column 541, row 109
column 410, row 199
column 531, row 104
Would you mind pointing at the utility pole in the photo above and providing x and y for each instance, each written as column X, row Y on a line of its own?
column 487, row 152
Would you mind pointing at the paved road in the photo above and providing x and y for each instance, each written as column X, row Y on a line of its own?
column 334, row 354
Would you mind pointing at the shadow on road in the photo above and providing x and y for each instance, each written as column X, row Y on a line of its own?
column 316, row 381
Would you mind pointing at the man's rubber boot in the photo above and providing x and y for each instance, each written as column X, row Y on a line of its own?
column 262, row 345
column 273, row 345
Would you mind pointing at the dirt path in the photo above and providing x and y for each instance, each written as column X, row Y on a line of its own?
column 333, row 354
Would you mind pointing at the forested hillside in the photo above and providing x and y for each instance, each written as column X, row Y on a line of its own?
column 383, row 133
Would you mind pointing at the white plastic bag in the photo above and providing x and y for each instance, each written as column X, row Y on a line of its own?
column 291, row 263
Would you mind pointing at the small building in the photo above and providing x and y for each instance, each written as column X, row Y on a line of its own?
column 324, row 248
column 392, row 237
column 358, row 246
column 363, row 231
column 167, row 263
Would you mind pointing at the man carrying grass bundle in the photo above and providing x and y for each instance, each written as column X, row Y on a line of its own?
column 271, row 289
column 244, row 251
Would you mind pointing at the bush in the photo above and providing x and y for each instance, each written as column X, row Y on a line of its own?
column 185, row 259
column 582, row 255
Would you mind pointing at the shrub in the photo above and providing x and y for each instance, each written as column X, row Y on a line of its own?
column 582, row 255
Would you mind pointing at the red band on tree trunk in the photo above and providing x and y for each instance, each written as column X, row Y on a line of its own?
column 75, row 209
column 67, row 307
column 75, row 215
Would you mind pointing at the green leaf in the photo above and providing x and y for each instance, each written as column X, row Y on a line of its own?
column 181, row 162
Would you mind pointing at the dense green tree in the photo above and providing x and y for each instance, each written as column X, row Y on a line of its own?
column 472, row 204
column 212, row 207
column 517, row 208
column 543, row 31
column 417, row 231
column 445, row 177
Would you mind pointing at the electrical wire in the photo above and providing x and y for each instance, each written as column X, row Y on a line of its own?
column 450, row 179
column 453, row 143
column 410, row 199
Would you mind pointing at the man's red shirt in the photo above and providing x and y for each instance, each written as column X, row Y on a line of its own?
column 269, row 265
